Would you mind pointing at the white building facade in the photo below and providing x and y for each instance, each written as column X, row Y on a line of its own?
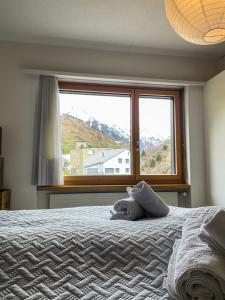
column 109, row 162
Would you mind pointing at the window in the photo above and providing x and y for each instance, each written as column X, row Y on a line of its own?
column 91, row 171
column 120, row 135
column 156, row 136
column 109, row 171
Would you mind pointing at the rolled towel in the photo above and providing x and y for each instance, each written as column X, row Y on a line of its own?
column 127, row 209
column 213, row 231
column 195, row 270
column 170, row 282
column 151, row 202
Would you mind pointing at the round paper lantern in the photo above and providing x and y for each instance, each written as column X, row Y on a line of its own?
column 200, row 22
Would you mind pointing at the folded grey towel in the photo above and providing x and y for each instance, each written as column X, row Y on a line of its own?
column 195, row 271
column 151, row 202
column 127, row 209
column 213, row 231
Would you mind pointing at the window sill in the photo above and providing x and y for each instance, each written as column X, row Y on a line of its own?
column 111, row 188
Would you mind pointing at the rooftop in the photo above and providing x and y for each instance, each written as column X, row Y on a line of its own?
column 102, row 156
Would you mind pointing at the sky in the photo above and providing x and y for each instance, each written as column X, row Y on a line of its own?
column 154, row 114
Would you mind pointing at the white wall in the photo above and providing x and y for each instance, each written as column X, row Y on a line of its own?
column 18, row 95
column 194, row 123
column 215, row 139
column 221, row 64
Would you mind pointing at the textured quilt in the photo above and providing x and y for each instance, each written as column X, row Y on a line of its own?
column 78, row 253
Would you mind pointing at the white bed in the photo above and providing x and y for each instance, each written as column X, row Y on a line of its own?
column 78, row 253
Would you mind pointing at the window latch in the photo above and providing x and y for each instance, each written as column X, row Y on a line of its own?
column 138, row 146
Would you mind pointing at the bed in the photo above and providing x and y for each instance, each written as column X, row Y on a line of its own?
column 78, row 253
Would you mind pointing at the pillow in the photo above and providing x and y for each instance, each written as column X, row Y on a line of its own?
column 151, row 202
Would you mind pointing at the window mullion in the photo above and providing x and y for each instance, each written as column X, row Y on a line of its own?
column 136, row 145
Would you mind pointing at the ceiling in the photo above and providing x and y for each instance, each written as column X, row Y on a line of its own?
column 138, row 26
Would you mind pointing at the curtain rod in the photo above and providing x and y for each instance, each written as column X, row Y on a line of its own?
column 116, row 80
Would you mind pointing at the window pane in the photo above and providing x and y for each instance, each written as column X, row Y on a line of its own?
column 156, row 133
column 96, row 133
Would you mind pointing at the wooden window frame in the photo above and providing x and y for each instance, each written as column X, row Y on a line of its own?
column 132, row 179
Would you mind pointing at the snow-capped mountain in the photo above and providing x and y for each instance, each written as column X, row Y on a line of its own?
column 122, row 137
column 115, row 133
column 149, row 142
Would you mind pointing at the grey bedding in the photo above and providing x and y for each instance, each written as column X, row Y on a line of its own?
column 78, row 253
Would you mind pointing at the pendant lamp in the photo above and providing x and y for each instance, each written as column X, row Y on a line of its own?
column 200, row 22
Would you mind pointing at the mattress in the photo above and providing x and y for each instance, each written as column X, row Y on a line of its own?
column 78, row 253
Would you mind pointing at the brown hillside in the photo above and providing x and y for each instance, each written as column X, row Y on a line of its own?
column 75, row 130
column 157, row 160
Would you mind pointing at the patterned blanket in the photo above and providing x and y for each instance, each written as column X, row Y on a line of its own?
column 78, row 253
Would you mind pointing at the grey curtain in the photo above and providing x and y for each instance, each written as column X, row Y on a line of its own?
column 47, row 167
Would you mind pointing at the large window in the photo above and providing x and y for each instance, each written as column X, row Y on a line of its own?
column 120, row 135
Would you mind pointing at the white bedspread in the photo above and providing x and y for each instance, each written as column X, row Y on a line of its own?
column 79, row 253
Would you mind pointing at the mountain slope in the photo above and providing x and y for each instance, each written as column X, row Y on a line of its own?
column 157, row 160
column 155, row 153
column 75, row 130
